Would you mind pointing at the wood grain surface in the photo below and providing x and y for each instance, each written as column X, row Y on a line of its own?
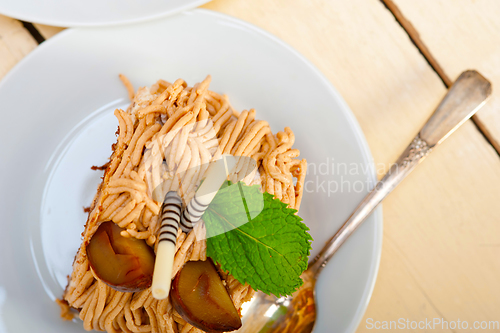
column 463, row 34
column 47, row 31
column 15, row 43
column 440, row 251
column 441, row 226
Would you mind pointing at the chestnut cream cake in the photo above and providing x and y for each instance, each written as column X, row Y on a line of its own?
column 166, row 141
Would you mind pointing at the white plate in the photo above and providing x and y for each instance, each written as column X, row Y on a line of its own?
column 78, row 13
column 56, row 108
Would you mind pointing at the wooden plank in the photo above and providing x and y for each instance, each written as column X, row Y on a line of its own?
column 47, row 31
column 461, row 34
column 415, row 38
column 15, row 43
column 440, row 252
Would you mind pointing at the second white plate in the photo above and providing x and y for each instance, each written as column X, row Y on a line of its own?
column 77, row 13
column 58, row 123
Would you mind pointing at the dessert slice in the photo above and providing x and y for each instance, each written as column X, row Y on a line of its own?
column 166, row 139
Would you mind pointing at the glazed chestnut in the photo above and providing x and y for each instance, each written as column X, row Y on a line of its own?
column 125, row 264
column 201, row 299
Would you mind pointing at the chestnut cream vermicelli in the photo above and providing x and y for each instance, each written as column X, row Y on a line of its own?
column 173, row 125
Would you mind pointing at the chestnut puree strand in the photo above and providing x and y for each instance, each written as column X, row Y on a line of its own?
column 124, row 200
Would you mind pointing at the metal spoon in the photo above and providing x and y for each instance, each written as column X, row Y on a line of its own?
column 297, row 313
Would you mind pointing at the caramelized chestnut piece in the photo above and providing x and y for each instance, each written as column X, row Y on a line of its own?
column 201, row 299
column 124, row 264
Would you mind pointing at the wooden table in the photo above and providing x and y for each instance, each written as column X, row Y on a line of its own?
column 392, row 62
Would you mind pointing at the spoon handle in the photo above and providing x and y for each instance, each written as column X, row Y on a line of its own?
column 469, row 92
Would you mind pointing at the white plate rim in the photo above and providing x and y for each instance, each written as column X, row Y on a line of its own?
column 19, row 15
column 361, row 140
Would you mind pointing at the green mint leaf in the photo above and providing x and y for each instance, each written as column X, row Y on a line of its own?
column 257, row 239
